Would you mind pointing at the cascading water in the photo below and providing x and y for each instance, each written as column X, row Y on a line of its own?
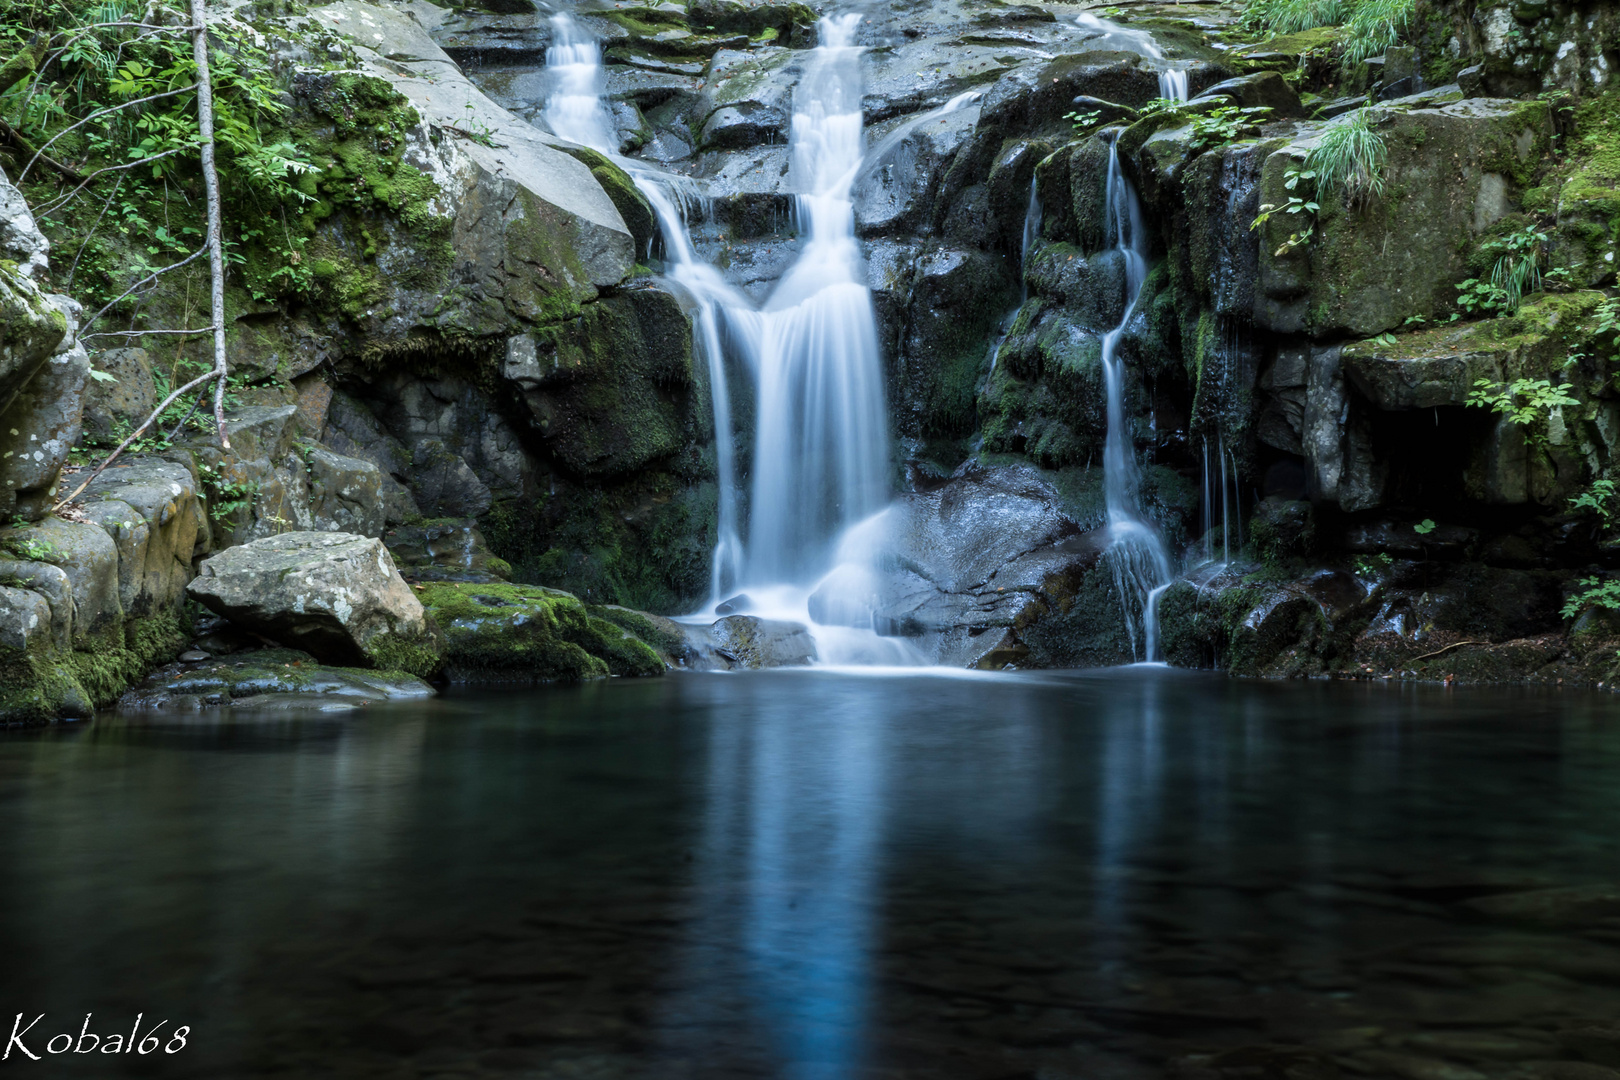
column 574, row 109
column 1136, row 554
column 821, row 454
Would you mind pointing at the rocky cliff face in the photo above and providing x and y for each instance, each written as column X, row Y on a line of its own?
column 1338, row 424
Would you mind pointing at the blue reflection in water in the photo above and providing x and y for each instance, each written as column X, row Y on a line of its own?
column 784, row 883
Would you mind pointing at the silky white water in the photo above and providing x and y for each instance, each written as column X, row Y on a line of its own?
column 574, row 108
column 808, row 546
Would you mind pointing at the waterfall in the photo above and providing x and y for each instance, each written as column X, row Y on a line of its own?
column 820, row 480
column 821, row 443
column 574, row 109
column 1136, row 554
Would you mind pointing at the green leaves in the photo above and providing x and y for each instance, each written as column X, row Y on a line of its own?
column 1227, row 124
column 1350, row 158
column 1522, row 401
column 1597, row 499
column 1424, row 527
column 1594, row 593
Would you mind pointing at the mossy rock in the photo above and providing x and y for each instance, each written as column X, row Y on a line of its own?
column 529, row 633
column 627, row 199
column 42, row 684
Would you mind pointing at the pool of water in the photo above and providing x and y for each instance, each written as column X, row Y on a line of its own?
column 1136, row 873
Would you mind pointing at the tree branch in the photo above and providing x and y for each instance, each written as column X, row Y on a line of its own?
column 99, row 112
column 216, row 247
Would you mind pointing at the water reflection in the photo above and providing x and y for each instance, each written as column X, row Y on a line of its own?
column 806, row 875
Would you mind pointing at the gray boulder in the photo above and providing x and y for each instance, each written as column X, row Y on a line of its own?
column 112, row 409
column 335, row 595
column 345, row 493
column 20, row 238
column 750, row 642
column 42, row 424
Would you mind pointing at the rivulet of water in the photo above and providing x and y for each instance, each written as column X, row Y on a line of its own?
column 574, row 109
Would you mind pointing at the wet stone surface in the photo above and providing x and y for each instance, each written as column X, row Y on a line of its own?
column 1126, row 875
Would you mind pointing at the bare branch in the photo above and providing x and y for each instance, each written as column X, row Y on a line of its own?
column 216, row 246
column 63, row 200
column 140, row 333
column 153, row 276
column 100, row 112
column 148, row 422
column 74, row 269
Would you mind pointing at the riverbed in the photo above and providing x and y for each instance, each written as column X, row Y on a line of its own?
column 814, row 874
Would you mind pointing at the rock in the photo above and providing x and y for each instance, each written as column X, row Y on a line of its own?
column 193, row 656
column 900, row 174
column 267, row 679
column 957, row 298
column 151, row 511
column 1403, row 72
column 353, row 431
column 345, row 493
column 529, row 633
column 32, row 327
column 112, row 409
column 1458, row 167
column 20, row 238
column 42, row 423
column 533, row 233
column 781, row 20
column 1263, row 89
column 610, row 392
column 749, row 99
column 450, row 549
column 335, row 594
column 1030, row 100
column 753, row 643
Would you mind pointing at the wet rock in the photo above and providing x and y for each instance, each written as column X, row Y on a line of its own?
column 352, row 430
column 269, row 679
column 748, row 99
column 336, row 594
column 1401, row 538
column 1030, row 100
column 900, row 174
column 447, row 550
column 957, row 298
column 112, row 409
column 1263, row 89
column 529, row 633
column 750, row 642
column 151, row 511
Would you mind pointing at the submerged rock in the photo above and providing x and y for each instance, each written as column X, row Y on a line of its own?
column 747, row 641
column 274, row 679
column 337, row 595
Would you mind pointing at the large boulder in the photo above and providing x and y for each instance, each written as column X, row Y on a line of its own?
column 335, row 595
column 42, row 423
column 1452, row 173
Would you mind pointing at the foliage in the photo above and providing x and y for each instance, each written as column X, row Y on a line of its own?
column 1599, row 499
column 1162, row 106
column 1083, row 121
column 1608, row 324
column 1594, row 593
column 1522, row 401
column 1350, row 158
column 1424, row 527
column 1515, row 273
column 1225, row 125
column 1296, row 205
column 1371, row 26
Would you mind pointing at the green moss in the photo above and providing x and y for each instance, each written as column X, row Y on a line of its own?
column 410, row 656
column 38, row 685
column 530, row 633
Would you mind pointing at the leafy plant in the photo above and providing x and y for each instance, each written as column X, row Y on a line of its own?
column 1518, row 268
column 1083, row 121
column 1371, row 26
column 1598, row 499
column 1594, row 593
column 1350, row 158
column 1424, row 527
column 1226, row 124
column 1522, row 401
column 1160, row 107
column 1296, row 205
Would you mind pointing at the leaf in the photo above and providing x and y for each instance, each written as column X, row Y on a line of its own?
column 102, row 376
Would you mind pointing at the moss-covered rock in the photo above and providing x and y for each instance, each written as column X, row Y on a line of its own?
column 529, row 633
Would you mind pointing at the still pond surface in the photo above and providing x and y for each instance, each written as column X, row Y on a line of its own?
column 1126, row 874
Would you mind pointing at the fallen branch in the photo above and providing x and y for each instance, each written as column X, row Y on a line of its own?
column 20, row 141
column 216, row 248
column 60, row 201
column 1448, row 648
column 100, row 112
column 142, row 333
column 137, row 433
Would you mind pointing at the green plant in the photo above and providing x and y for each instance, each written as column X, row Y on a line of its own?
column 1518, row 267
column 1226, row 124
column 1371, row 26
column 1594, row 593
column 1522, row 401
column 1162, row 106
column 1424, row 527
column 1296, row 205
column 1371, row 564
column 1598, row 499
column 1350, row 158
column 1083, row 121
